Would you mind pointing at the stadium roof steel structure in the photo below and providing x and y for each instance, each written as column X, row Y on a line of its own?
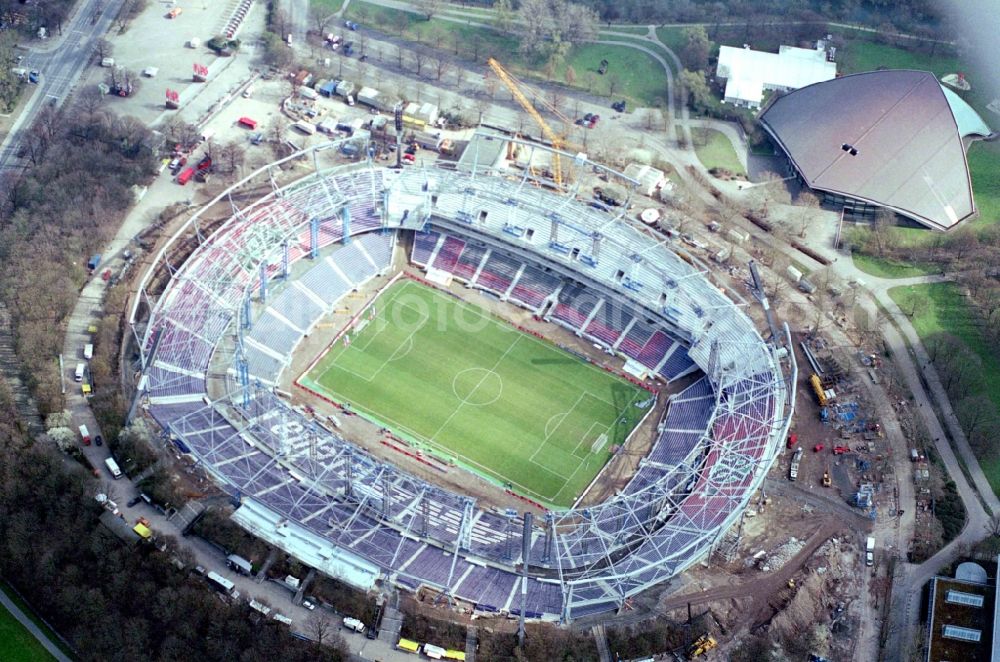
column 319, row 497
column 889, row 138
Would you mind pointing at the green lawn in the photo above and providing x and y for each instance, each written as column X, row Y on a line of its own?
column 16, row 643
column 329, row 6
column 715, row 151
column 863, row 55
column 500, row 402
column 638, row 78
column 940, row 308
column 672, row 38
column 886, row 268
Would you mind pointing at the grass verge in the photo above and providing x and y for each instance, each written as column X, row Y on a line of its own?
column 715, row 151
column 941, row 308
column 16, row 643
column 886, row 268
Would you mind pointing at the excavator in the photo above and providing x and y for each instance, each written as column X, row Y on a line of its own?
column 702, row 645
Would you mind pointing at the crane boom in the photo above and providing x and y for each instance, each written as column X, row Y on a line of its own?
column 519, row 96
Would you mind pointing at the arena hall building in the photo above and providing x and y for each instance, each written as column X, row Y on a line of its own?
column 893, row 139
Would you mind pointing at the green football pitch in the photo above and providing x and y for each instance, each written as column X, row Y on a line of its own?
column 479, row 392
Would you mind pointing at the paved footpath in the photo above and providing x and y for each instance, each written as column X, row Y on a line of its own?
column 30, row 626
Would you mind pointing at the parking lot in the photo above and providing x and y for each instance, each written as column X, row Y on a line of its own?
column 167, row 50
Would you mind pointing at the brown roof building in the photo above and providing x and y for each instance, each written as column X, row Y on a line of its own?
column 893, row 139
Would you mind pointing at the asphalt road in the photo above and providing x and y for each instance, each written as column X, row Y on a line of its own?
column 298, row 17
column 60, row 61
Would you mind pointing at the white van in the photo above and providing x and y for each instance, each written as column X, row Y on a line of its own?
column 80, row 369
column 116, row 473
column 88, row 351
column 353, row 624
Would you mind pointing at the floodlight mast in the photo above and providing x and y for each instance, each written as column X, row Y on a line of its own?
column 557, row 140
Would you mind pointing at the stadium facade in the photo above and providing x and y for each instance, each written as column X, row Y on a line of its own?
column 217, row 334
column 893, row 139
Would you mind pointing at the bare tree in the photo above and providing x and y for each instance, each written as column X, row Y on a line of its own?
column 419, row 59
column 129, row 10
column 809, row 203
column 321, row 20
column 319, row 628
column 441, row 67
column 90, row 99
column 614, row 82
column 103, row 48
column 123, row 81
column 231, row 156
column 428, row 8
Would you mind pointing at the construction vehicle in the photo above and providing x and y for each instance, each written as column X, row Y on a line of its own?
column 702, row 645
column 826, row 479
column 558, row 141
column 818, row 390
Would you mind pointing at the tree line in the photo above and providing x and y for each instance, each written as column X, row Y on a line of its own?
column 969, row 255
column 901, row 15
column 113, row 602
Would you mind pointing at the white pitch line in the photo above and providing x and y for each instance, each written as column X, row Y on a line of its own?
column 476, row 387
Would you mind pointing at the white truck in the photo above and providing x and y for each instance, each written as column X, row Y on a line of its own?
column 112, row 466
column 78, row 373
column 88, row 351
column 353, row 624
column 793, row 471
column 870, row 551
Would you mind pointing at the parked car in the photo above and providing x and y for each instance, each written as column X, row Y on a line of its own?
column 594, row 119
column 586, row 118
column 308, row 605
column 350, row 25
column 618, row 106
column 840, row 450
column 134, row 500
column 99, row 440
column 818, row 447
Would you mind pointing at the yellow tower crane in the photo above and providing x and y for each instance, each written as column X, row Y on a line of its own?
column 557, row 140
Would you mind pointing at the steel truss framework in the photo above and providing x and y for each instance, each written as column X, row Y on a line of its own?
column 411, row 532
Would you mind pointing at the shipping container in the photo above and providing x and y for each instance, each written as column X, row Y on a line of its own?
column 185, row 176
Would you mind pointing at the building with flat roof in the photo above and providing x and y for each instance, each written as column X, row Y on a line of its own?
column 890, row 139
column 962, row 612
column 747, row 73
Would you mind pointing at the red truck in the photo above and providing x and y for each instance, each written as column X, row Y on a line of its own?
column 185, row 176
column 248, row 122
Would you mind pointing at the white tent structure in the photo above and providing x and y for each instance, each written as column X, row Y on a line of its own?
column 747, row 73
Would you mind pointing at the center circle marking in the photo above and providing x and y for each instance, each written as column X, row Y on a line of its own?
column 477, row 387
